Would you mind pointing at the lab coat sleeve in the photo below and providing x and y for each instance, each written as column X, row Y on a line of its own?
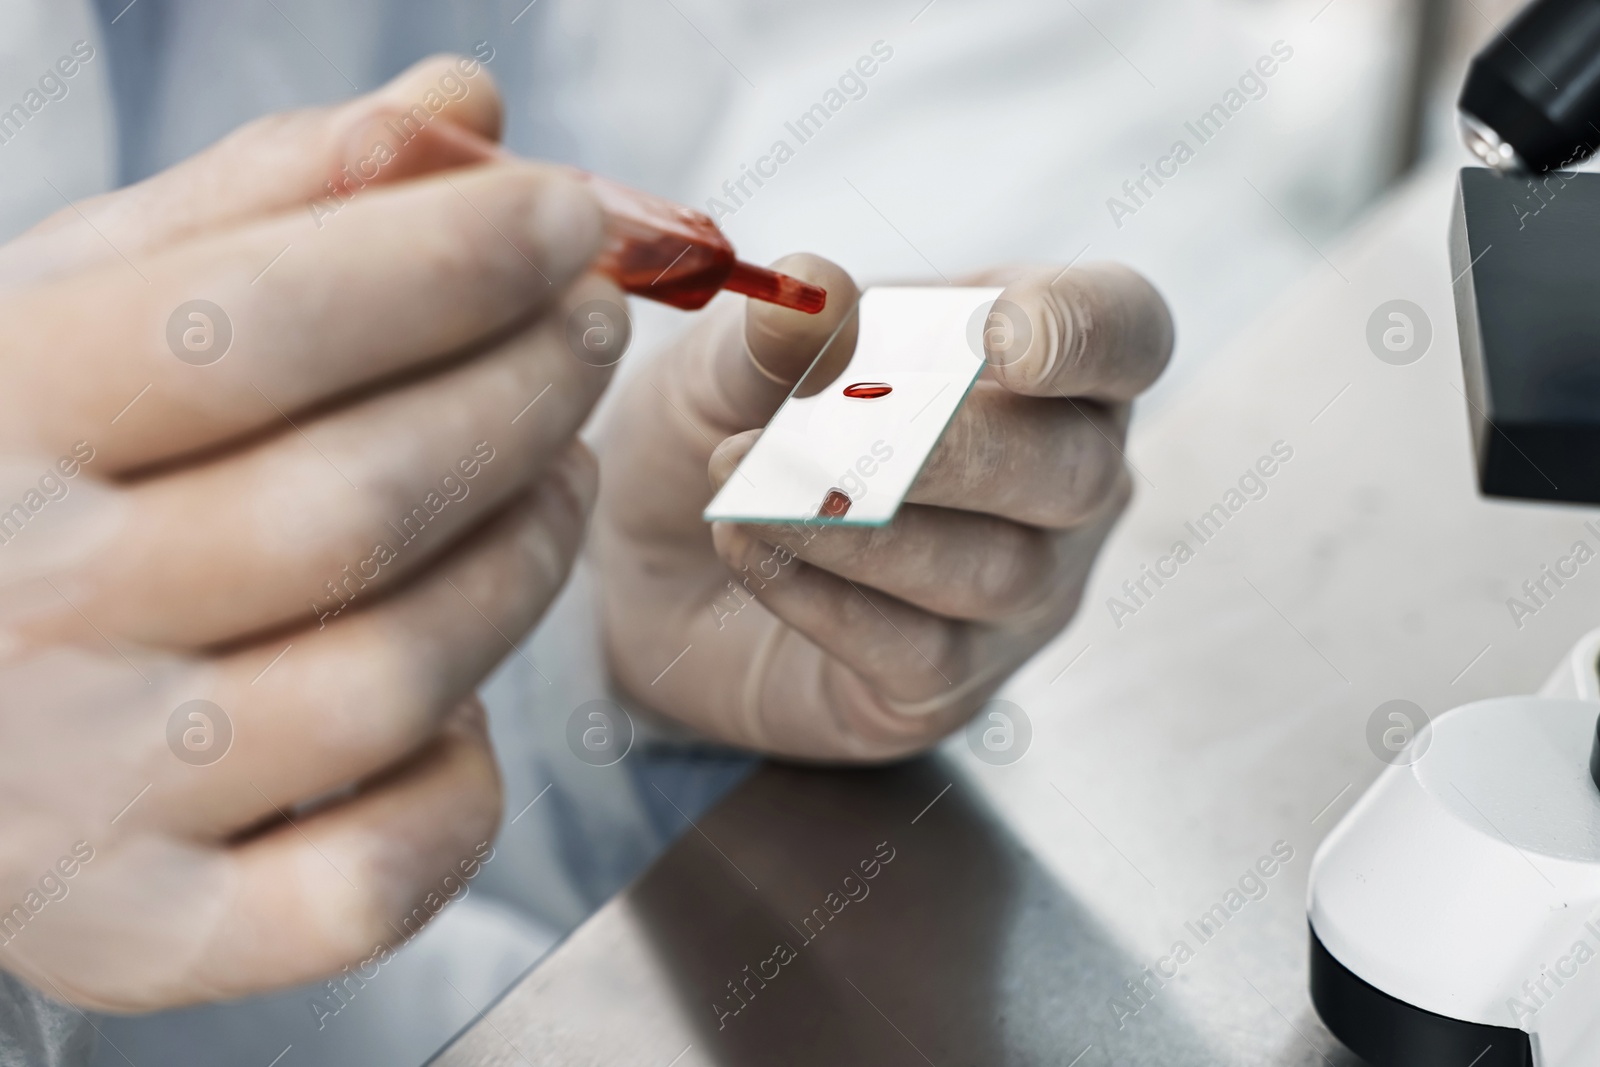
column 35, row 1031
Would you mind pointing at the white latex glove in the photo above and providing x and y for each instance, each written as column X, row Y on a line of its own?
column 871, row 643
column 174, row 532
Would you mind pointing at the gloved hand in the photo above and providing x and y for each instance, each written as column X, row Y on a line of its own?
column 870, row 643
column 313, row 505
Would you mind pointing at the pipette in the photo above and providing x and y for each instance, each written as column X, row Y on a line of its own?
column 653, row 247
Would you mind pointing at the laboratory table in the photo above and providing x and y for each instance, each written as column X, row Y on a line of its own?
column 956, row 911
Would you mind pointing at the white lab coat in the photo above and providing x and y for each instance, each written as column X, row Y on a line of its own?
column 990, row 132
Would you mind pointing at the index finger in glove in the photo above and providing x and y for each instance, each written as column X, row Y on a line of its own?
column 410, row 275
column 278, row 163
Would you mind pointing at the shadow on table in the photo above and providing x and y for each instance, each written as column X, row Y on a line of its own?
column 960, row 949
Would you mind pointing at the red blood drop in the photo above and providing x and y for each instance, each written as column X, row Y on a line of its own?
column 835, row 504
column 868, row 390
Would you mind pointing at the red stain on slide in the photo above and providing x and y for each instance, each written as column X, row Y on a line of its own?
column 868, row 390
column 835, row 504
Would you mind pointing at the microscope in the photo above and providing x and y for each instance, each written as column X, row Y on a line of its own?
column 1455, row 910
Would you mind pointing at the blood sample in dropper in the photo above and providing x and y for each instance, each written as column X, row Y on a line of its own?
column 653, row 247
column 667, row 252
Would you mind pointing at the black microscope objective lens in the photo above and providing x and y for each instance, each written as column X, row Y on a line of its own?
column 1531, row 100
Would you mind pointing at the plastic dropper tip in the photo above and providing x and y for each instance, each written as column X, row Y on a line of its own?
column 775, row 288
column 808, row 298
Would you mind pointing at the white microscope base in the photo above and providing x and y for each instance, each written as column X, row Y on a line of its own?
column 1467, row 885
